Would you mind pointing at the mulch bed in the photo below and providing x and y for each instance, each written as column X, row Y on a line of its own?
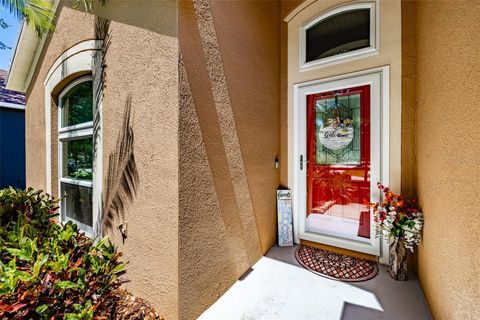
column 125, row 306
column 334, row 265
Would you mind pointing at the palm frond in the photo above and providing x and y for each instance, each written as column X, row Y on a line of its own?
column 87, row 4
column 3, row 24
column 37, row 13
column 14, row 6
column 122, row 179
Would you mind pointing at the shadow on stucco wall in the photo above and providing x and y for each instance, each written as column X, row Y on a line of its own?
column 122, row 179
column 228, row 140
column 207, row 237
column 157, row 16
column 102, row 34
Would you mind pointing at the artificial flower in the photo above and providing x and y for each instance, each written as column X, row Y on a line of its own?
column 397, row 217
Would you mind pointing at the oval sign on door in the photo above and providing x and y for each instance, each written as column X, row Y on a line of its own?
column 336, row 135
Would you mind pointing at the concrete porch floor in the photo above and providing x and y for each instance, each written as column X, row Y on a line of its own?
column 279, row 288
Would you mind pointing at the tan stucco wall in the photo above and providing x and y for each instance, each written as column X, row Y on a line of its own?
column 71, row 33
column 227, row 213
column 447, row 138
column 141, row 61
column 408, row 98
column 229, row 138
column 285, row 8
column 408, row 107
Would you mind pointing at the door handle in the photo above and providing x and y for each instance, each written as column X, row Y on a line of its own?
column 302, row 162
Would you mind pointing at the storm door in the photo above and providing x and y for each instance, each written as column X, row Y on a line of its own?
column 338, row 166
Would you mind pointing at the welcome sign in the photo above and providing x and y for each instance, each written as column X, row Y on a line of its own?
column 285, row 218
column 335, row 138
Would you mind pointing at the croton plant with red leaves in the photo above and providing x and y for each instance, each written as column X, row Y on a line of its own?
column 397, row 217
column 49, row 270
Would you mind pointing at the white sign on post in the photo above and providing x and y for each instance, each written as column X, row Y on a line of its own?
column 285, row 219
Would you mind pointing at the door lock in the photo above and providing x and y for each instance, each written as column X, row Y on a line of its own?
column 302, row 162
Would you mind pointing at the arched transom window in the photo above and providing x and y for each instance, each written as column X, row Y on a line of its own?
column 339, row 34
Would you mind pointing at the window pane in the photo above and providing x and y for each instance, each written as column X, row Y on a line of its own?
column 340, row 33
column 77, row 159
column 338, row 130
column 77, row 105
column 77, row 204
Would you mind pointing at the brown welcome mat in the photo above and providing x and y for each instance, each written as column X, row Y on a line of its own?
column 334, row 265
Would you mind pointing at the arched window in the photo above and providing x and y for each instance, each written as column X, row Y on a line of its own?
column 75, row 165
column 339, row 34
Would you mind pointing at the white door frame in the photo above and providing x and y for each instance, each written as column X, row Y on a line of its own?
column 378, row 79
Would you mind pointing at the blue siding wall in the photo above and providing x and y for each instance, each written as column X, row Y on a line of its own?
column 12, row 148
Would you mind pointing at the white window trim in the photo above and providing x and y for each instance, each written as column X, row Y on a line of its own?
column 75, row 127
column 373, row 49
column 76, row 134
column 82, row 183
column 70, row 133
column 8, row 105
column 296, row 179
column 74, row 60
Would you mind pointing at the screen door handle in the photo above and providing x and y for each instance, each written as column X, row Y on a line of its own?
column 302, row 162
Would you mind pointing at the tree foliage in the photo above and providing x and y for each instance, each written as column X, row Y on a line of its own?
column 37, row 13
column 3, row 25
column 87, row 4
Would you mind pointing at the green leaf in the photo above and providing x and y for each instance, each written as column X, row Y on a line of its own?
column 78, row 307
column 66, row 285
column 23, row 276
column 118, row 269
column 67, row 233
column 41, row 260
column 61, row 263
column 14, row 252
column 42, row 310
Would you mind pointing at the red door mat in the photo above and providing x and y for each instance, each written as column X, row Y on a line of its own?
column 334, row 265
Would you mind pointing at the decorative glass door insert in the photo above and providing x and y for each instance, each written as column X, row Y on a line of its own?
column 338, row 169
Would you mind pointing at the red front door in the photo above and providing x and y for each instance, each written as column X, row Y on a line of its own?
column 338, row 153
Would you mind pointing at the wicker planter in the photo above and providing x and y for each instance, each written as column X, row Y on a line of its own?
column 398, row 260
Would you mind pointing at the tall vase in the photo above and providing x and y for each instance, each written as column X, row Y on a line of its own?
column 398, row 259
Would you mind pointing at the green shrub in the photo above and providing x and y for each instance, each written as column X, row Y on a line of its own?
column 48, row 270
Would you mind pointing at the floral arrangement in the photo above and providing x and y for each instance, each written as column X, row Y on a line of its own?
column 398, row 218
